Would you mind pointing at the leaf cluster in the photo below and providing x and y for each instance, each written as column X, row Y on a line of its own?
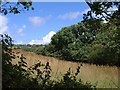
column 15, row 7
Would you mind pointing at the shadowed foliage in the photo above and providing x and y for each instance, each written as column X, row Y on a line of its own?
column 37, row 76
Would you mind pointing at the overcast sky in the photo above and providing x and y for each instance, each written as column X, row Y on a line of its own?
column 39, row 25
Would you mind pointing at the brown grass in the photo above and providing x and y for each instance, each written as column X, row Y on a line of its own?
column 103, row 76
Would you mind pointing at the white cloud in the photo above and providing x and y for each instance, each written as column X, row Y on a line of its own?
column 45, row 40
column 20, row 30
column 24, row 26
column 20, row 42
column 38, row 21
column 70, row 15
column 3, row 24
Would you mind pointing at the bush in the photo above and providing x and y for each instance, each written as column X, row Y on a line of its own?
column 35, row 77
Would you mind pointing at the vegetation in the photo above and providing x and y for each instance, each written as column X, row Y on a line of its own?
column 90, row 41
column 15, row 7
column 84, row 44
column 37, row 76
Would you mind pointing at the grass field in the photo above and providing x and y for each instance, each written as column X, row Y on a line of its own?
column 102, row 76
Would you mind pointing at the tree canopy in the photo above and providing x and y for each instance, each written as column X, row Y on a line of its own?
column 103, row 10
column 83, row 43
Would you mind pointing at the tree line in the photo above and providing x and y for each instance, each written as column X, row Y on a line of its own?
column 82, row 43
column 89, row 41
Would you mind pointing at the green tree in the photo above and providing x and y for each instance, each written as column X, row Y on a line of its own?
column 107, row 39
column 103, row 9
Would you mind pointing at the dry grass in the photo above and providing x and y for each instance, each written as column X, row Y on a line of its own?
column 103, row 76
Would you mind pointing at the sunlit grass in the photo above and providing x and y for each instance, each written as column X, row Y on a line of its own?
column 102, row 76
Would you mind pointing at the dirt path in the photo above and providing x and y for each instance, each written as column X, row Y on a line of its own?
column 103, row 76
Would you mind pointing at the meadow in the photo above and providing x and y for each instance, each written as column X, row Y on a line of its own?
column 101, row 76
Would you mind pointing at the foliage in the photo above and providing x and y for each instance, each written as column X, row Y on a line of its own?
column 36, row 77
column 83, row 43
column 89, row 41
column 103, row 10
column 15, row 7
column 107, row 38
column 69, row 82
column 12, row 75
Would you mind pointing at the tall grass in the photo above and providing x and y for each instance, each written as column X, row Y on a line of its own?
column 102, row 76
